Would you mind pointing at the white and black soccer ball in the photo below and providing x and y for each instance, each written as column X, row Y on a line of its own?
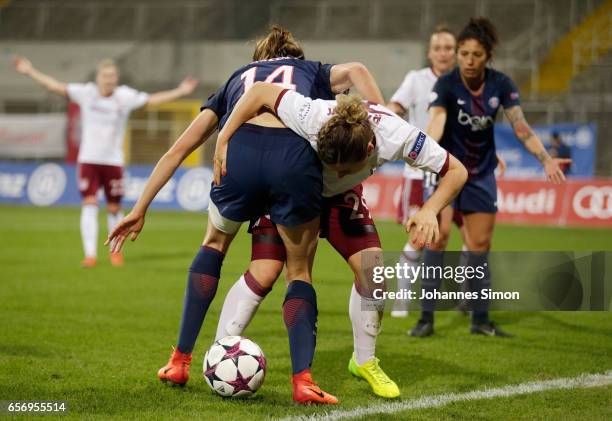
column 234, row 366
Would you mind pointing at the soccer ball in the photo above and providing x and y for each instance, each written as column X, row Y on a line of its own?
column 234, row 366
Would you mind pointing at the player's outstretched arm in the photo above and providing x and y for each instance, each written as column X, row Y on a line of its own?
column 260, row 95
column 25, row 67
column 423, row 226
column 348, row 75
column 194, row 136
column 531, row 142
column 437, row 120
column 186, row 87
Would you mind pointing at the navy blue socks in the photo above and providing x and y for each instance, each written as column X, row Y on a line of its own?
column 300, row 315
column 429, row 284
column 201, row 287
column 480, row 307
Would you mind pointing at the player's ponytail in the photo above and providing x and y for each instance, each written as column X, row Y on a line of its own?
column 482, row 30
column 278, row 43
column 345, row 136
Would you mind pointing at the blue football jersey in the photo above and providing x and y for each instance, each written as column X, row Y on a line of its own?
column 310, row 78
column 468, row 132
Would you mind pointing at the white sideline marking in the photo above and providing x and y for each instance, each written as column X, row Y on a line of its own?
column 581, row 381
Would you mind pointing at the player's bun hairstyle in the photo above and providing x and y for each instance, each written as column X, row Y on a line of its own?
column 482, row 30
column 345, row 136
column 278, row 43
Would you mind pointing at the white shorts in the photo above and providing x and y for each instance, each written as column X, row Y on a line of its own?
column 220, row 222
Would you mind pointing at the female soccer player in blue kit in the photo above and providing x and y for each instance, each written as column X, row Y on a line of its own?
column 462, row 110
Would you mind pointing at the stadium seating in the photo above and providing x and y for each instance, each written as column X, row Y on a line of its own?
column 575, row 51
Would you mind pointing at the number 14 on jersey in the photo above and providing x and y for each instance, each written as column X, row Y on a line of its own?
column 281, row 76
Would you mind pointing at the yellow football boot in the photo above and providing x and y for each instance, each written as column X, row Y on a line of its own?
column 370, row 371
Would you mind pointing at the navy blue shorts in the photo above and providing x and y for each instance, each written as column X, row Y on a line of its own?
column 270, row 171
column 478, row 195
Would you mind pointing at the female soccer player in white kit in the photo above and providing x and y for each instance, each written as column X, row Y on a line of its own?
column 413, row 97
column 105, row 108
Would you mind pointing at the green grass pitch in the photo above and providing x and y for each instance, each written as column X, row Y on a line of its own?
column 97, row 337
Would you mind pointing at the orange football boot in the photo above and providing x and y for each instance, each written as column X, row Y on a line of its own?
column 116, row 259
column 306, row 391
column 89, row 262
column 177, row 369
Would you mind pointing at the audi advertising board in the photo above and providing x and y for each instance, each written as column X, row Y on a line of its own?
column 584, row 202
column 538, row 202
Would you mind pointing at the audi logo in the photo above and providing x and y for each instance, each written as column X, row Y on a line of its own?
column 593, row 202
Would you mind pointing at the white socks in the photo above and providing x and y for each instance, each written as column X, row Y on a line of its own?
column 89, row 230
column 239, row 307
column 365, row 318
column 112, row 219
column 409, row 257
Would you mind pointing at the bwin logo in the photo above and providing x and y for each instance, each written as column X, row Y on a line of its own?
column 476, row 122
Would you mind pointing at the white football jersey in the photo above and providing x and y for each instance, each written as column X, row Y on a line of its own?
column 103, row 121
column 413, row 95
column 396, row 139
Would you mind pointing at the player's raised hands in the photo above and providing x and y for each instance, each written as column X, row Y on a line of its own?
column 130, row 225
column 22, row 65
column 188, row 85
column 423, row 228
column 553, row 170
